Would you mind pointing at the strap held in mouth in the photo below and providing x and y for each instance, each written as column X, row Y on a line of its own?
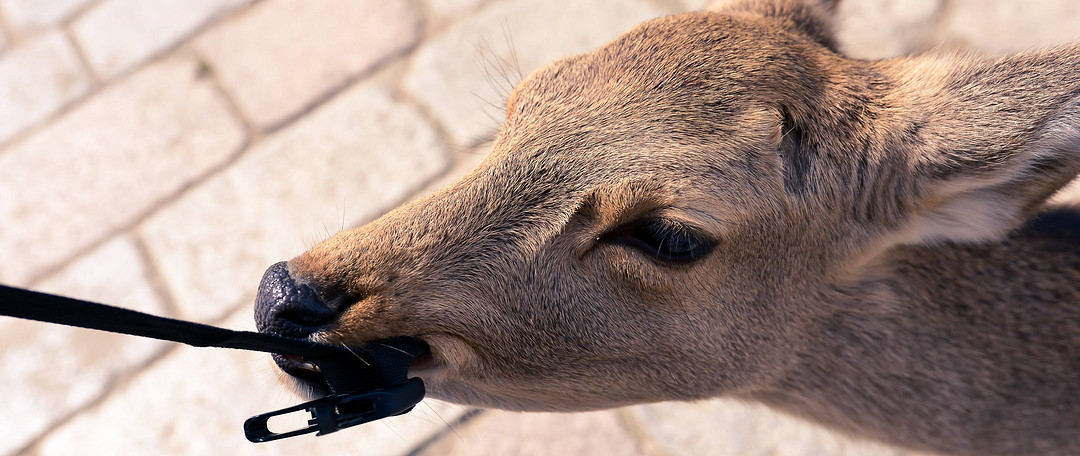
column 365, row 385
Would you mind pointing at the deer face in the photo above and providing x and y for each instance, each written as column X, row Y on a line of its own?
column 662, row 218
column 616, row 238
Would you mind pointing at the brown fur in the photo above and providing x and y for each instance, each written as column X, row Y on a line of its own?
column 868, row 271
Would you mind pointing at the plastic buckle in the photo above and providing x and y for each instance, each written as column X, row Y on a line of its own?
column 340, row 411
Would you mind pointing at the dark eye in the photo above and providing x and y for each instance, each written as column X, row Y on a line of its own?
column 663, row 239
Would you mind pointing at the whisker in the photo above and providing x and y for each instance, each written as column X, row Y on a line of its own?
column 448, row 425
column 396, row 349
column 513, row 50
column 344, row 206
column 391, row 428
column 356, row 355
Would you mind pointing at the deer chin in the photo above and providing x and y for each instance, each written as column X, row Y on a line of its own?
column 306, row 379
column 465, row 392
column 308, row 385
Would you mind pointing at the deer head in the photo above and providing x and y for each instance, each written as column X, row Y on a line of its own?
column 671, row 215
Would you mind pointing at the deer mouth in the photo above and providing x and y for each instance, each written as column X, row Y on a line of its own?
column 424, row 365
column 305, row 373
column 310, row 378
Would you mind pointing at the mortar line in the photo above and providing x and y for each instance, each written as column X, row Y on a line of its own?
column 180, row 42
column 80, row 54
column 122, row 379
column 938, row 35
column 79, row 12
column 95, row 86
column 99, row 82
column 142, row 216
column 439, row 26
column 645, row 441
column 50, row 118
column 154, row 276
column 115, row 382
column 324, row 97
column 402, row 95
column 231, row 104
column 426, row 15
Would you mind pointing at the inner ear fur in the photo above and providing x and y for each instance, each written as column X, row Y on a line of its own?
column 985, row 141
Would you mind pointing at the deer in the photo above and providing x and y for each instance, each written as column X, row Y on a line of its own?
column 721, row 204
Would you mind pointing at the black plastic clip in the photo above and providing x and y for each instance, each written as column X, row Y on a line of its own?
column 340, row 411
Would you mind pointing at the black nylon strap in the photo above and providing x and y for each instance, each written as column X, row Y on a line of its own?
column 365, row 386
column 33, row 305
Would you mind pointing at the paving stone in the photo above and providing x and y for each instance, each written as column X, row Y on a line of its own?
column 25, row 15
column 1012, row 25
column 463, row 162
column 874, row 29
column 499, row 433
column 453, row 74
column 195, row 400
column 37, row 78
column 315, row 47
column 344, row 163
column 734, row 428
column 118, row 34
column 49, row 371
column 102, row 165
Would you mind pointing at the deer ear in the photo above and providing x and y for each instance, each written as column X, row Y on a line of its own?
column 813, row 18
column 985, row 142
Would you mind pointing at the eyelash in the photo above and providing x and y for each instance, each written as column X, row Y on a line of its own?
column 662, row 239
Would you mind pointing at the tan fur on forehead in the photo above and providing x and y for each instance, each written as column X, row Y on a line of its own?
column 611, row 205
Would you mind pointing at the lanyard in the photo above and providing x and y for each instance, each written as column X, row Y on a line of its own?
column 364, row 384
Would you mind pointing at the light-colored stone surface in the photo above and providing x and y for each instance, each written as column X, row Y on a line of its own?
column 49, row 371
column 159, row 412
column 733, row 428
column 500, row 433
column 886, row 28
column 316, row 47
column 36, row 79
column 1011, row 25
column 344, row 163
column 103, row 164
column 118, row 34
column 463, row 74
column 24, row 15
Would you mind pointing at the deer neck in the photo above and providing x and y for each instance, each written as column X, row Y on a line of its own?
column 952, row 345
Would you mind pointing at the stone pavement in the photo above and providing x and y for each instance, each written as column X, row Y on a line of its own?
column 159, row 154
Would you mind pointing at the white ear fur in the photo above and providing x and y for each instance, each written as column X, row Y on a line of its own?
column 988, row 207
column 969, row 217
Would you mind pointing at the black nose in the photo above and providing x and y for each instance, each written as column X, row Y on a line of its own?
column 286, row 308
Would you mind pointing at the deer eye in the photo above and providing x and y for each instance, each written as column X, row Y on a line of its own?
column 663, row 239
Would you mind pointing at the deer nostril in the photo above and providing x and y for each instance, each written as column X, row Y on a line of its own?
column 287, row 308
